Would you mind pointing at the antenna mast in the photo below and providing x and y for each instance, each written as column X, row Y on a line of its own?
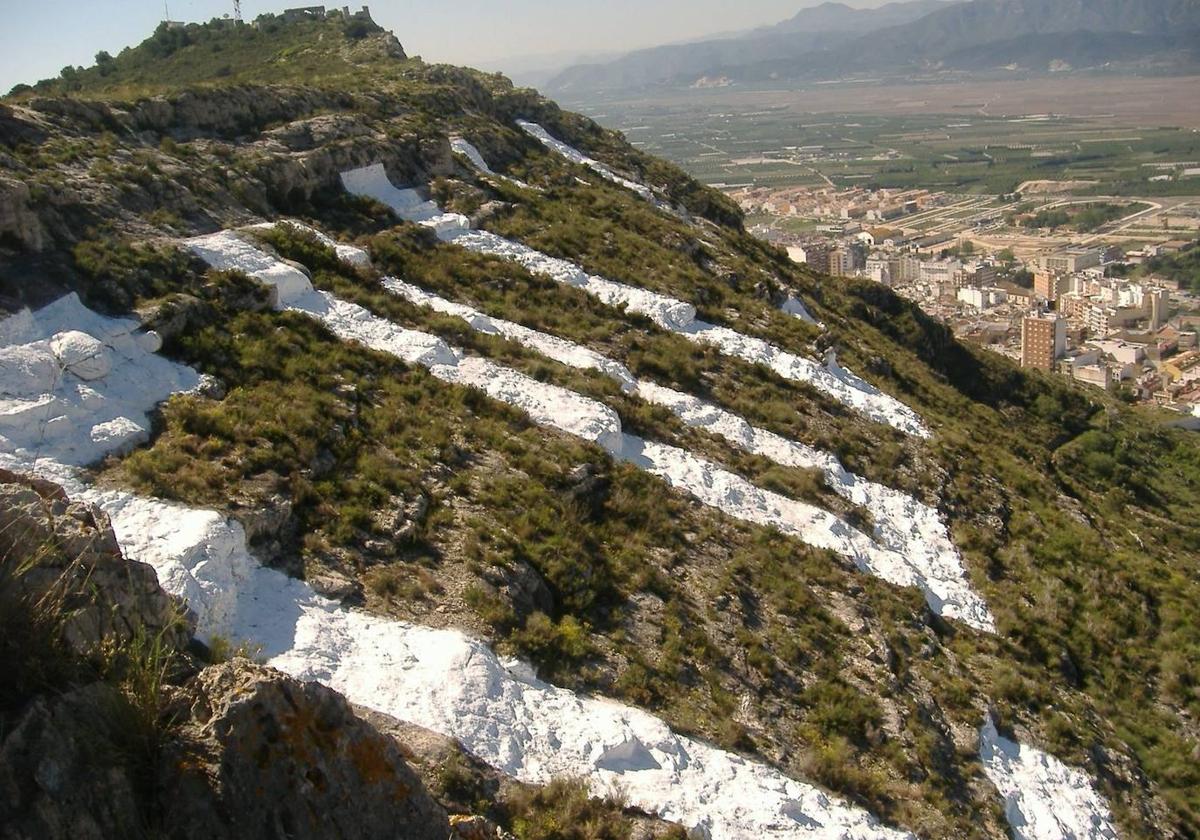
column 166, row 11
column 237, row 9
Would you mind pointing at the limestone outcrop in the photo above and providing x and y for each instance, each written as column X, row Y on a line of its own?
column 264, row 755
column 17, row 218
column 72, row 555
column 131, row 738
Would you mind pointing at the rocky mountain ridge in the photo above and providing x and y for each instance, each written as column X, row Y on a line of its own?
column 819, row 29
column 415, row 463
column 916, row 38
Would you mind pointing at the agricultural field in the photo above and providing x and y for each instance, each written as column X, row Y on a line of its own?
column 778, row 147
column 995, row 173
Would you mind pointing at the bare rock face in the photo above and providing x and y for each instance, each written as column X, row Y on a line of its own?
column 20, row 125
column 77, row 764
column 229, row 112
column 525, row 588
column 64, row 773
column 311, row 133
column 76, row 556
column 17, row 218
column 263, row 755
column 236, row 750
column 378, row 45
column 399, row 519
column 266, row 514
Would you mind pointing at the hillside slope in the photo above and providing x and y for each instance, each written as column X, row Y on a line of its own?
column 506, row 386
column 118, row 723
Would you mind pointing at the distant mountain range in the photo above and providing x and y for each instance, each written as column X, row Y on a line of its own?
column 833, row 40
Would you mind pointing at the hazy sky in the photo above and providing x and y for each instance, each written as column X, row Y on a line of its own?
column 39, row 37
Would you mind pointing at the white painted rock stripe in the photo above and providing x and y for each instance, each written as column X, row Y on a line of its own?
column 445, row 680
column 1044, row 799
column 914, row 533
column 575, row 156
column 461, row 146
column 552, row 406
column 668, row 313
column 440, row 679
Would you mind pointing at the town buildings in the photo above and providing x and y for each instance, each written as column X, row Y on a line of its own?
column 879, row 269
column 1051, row 283
column 982, row 298
column 843, row 261
column 301, row 13
column 1069, row 260
column 816, row 256
column 1043, row 340
column 1077, row 317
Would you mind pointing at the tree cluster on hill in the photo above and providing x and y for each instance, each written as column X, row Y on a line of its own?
column 224, row 50
column 1183, row 267
column 1084, row 220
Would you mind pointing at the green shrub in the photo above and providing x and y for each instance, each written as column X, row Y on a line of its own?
column 559, row 646
column 564, row 810
column 223, row 649
column 34, row 656
column 116, row 273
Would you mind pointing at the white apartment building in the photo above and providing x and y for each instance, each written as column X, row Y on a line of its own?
column 1125, row 354
column 879, row 269
column 982, row 299
column 938, row 273
column 1069, row 260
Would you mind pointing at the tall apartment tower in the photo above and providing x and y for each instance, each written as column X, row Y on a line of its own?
column 841, row 262
column 816, row 255
column 1043, row 340
column 909, row 269
column 1158, row 304
column 1051, row 284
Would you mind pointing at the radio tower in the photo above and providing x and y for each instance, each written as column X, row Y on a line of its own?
column 237, row 10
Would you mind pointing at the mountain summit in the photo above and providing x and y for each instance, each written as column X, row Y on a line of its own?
column 549, row 501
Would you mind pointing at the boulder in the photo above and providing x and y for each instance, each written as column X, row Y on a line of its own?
column 334, row 585
column 265, row 756
column 474, row 827
column 587, row 485
column 171, row 317
column 73, row 551
column 27, row 370
column 64, row 775
column 149, row 341
column 266, row 513
column 119, row 435
column 526, row 589
column 399, row 519
column 82, row 354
